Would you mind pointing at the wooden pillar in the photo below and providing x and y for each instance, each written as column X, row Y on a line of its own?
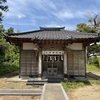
column 40, row 63
column 86, row 52
column 20, row 63
column 65, row 65
column 85, row 60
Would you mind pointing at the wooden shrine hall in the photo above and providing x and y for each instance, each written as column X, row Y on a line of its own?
column 52, row 52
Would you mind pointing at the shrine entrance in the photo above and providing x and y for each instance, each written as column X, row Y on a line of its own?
column 52, row 65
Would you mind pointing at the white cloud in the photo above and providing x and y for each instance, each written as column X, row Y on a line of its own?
column 20, row 8
column 70, row 27
column 52, row 24
column 67, row 26
column 42, row 12
column 30, row 8
column 63, row 15
column 66, row 14
column 15, row 9
column 20, row 16
column 21, row 24
column 44, row 5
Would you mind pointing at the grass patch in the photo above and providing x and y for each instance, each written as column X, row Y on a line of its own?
column 94, row 81
column 92, row 68
column 72, row 85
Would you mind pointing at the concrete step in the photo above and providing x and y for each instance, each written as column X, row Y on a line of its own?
column 20, row 92
column 35, row 83
column 56, row 80
column 46, row 77
column 39, row 83
column 33, row 80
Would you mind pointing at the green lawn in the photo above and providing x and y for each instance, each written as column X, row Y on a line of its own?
column 72, row 85
column 92, row 68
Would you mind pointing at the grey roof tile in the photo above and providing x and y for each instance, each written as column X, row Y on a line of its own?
column 53, row 34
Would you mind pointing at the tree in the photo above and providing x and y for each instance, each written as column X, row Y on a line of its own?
column 92, row 49
column 2, row 44
column 9, row 54
column 94, row 61
column 93, row 19
column 10, row 30
column 82, row 27
column 2, row 8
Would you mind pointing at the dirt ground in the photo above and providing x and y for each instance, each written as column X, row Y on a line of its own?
column 91, row 92
column 16, row 85
column 19, row 97
column 4, row 84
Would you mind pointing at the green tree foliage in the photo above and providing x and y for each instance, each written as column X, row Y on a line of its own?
column 2, row 45
column 9, row 54
column 92, row 49
column 2, row 8
column 10, row 30
column 82, row 27
column 94, row 61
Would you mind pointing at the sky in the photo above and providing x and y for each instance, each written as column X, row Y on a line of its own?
column 29, row 15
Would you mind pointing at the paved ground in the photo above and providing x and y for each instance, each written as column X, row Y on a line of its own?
column 53, row 92
column 19, row 92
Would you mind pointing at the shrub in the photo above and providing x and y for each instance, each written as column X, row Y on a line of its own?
column 7, row 68
column 94, row 60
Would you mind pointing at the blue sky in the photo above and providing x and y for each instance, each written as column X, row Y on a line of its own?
column 28, row 15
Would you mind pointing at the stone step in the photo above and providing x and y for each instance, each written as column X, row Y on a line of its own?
column 50, row 80
column 35, row 83
column 55, row 77
column 20, row 92
column 42, row 82
column 39, row 83
column 36, row 80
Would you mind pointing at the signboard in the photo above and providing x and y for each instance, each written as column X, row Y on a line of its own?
column 52, row 52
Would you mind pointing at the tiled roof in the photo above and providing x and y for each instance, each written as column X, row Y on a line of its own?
column 53, row 34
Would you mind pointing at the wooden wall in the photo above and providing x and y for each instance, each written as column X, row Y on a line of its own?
column 76, row 63
column 28, row 62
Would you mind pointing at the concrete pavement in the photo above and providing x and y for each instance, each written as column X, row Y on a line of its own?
column 20, row 92
column 53, row 92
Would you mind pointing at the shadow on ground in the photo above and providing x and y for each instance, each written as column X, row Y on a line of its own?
column 94, row 76
column 91, row 76
column 9, row 75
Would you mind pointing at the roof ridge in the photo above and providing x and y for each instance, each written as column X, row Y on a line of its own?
column 52, row 28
